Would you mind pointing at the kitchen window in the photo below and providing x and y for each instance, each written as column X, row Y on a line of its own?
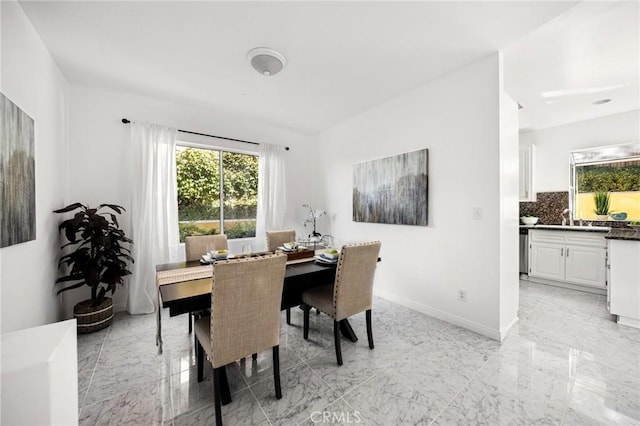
column 611, row 172
column 217, row 192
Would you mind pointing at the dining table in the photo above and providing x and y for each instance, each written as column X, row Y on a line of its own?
column 185, row 287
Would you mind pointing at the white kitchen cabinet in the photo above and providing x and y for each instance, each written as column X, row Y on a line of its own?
column 526, row 163
column 546, row 261
column 575, row 257
column 624, row 287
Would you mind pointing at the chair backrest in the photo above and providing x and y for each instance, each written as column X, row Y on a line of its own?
column 276, row 239
column 197, row 245
column 353, row 289
column 245, row 307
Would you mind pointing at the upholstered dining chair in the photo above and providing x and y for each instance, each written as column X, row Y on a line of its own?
column 350, row 294
column 276, row 239
column 245, row 317
column 197, row 245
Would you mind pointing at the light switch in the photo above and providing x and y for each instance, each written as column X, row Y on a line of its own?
column 477, row 213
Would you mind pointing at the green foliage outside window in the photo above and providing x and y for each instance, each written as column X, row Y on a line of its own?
column 198, row 187
column 198, row 179
column 609, row 179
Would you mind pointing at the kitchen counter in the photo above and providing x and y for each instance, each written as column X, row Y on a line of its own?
column 567, row 228
column 623, row 234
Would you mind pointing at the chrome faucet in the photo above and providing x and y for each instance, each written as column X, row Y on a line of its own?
column 564, row 218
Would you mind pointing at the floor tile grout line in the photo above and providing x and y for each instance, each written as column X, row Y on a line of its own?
column 462, row 389
column 255, row 398
column 466, row 385
column 93, row 371
column 267, row 377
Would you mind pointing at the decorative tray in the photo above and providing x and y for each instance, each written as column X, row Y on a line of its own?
column 300, row 253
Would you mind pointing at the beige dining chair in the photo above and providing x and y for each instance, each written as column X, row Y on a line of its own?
column 197, row 245
column 276, row 239
column 350, row 294
column 245, row 317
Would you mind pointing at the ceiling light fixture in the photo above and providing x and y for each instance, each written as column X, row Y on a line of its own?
column 266, row 61
column 601, row 101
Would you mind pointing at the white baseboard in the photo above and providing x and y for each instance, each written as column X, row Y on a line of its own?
column 578, row 287
column 445, row 316
column 505, row 330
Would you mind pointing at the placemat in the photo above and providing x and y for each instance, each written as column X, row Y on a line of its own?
column 184, row 274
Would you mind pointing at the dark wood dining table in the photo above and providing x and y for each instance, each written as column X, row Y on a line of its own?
column 191, row 295
column 194, row 294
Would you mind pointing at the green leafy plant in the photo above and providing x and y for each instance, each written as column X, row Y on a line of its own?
column 187, row 229
column 602, row 200
column 611, row 179
column 98, row 257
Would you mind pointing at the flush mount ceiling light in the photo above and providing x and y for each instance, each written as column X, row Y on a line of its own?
column 266, row 61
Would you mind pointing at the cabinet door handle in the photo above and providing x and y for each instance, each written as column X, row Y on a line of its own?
column 567, row 251
column 562, row 252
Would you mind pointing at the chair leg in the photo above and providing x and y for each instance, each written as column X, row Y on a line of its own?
column 369, row 329
column 190, row 322
column 336, row 338
column 216, row 395
column 225, row 392
column 289, row 316
column 254, row 356
column 306, row 322
column 276, row 371
column 200, row 360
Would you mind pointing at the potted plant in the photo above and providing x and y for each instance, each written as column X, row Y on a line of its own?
column 602, row 201
column 312, row 216
column 98, row 258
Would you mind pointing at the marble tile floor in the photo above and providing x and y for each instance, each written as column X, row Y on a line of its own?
column 566, row 362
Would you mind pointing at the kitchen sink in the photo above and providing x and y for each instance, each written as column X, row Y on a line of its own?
column 573, row 228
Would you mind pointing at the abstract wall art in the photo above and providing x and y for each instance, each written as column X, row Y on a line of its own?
column 17, row 175
column 392, row 190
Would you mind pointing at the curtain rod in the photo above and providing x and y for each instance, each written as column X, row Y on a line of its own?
column 127, row 121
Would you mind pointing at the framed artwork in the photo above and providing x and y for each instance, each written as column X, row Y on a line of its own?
column 392, row 190
column 17, row 175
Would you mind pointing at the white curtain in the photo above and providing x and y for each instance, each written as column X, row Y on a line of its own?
column 154, row 211
column 271, row 191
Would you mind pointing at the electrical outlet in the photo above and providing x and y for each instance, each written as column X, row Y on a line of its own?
column 462, row 295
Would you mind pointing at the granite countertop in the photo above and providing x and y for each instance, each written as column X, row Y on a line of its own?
column 624, row 234
column 584, row 228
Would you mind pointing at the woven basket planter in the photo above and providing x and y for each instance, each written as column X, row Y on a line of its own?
column 93, row 318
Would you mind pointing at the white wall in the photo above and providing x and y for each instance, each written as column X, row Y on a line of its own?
column 457, row 118
column 31, row 79
column 553, row 145
column 100, row 150
column 509, row 212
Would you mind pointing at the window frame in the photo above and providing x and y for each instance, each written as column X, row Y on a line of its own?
column 629, row 151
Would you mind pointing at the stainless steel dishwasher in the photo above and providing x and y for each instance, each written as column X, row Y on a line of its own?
column 524, row 251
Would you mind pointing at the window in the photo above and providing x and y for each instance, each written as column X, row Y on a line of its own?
column 612, row 173
column 217, row 192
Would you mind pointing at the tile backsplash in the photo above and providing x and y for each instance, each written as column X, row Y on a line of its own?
column 549, row 207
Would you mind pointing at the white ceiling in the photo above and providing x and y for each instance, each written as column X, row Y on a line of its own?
column 589, row 53
column 342, row 57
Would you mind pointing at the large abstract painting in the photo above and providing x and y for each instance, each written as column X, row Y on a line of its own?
column 17, row 175
column 392, row 189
